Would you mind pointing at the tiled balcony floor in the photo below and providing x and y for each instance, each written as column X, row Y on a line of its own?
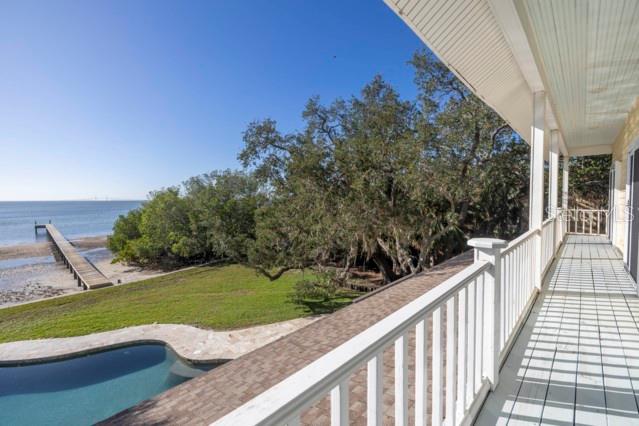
column 576, row 360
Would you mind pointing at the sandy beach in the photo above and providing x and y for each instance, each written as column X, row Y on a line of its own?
column 30, row 272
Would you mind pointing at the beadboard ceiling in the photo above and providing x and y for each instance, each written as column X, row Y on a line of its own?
column 583, row 53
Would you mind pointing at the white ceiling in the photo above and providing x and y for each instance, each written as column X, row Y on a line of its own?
column 588, row 54
column 465, row 35
column 583, row 53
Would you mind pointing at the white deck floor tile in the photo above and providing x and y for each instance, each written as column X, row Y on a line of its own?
column 576, row 361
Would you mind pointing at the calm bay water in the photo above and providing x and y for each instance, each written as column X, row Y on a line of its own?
column 73, row 218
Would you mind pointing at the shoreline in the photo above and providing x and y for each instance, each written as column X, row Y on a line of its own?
column 40, row 249
column 44, row 277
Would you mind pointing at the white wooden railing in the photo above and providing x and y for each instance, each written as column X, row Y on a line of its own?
column 517, row 286
column 586, row 221
column 561, row 228
column 547, row 243
column 472, row 318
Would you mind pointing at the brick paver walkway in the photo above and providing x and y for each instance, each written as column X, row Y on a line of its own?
column 208, row 397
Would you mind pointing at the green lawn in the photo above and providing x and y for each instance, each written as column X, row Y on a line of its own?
column 218, row 297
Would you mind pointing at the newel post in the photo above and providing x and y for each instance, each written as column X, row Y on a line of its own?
column 489, row 250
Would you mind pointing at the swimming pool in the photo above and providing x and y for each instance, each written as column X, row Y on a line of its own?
column 90, row 388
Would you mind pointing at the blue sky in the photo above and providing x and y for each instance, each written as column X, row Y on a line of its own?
column 117, row 98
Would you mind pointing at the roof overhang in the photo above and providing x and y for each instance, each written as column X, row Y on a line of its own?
column 584, row 55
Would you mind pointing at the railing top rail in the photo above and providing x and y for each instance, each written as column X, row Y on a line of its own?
column 294, row 393
column 588, row 210
column 519, row 240
column 547, row 221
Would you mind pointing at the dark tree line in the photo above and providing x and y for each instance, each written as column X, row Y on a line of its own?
column 374, row 179
column 588, row 181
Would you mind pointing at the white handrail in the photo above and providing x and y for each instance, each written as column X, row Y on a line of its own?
column 547, row 243
column 477, row 313
column 519, row 240
column 289, row 397
column 587, row 221
column 517, row 285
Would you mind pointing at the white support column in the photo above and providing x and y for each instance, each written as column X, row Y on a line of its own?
column 536, row 215
column 564, row 196
column 553, row 185
column 537, row 162
column 553, row 162
column 617, row 221
column 564, row 183
column 489, row 249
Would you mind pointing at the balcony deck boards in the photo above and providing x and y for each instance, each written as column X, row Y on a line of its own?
column 576, row 360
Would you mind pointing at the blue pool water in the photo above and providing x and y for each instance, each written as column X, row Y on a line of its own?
column 84, row 390
column 73, row 218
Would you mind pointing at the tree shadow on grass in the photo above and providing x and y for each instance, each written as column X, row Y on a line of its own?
column 327, row 305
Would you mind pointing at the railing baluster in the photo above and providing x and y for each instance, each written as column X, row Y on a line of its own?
column 374, row 391
column 451, row 362
column 598, row 222
column 508, row 293
column 437, row 369
column 532, row 253
column 512, row 294
column 518, row 284
column 514, row 256
column 516, row 301
column 401, row 381
column 522, row 277
column 529, row 251
column 526, row 286
column 461, row 352
column 525, row 277
column 339, row 404
column 479, row 334
column 472, row 302
column 421, row 372
column 512, row 317
column 524, row 256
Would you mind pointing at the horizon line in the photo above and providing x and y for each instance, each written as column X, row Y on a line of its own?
column 73, row 199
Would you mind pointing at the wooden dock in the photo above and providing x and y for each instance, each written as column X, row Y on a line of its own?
column 83, row 271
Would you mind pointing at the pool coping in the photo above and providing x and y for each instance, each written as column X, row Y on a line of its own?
column 94, row 350
column 193, row 345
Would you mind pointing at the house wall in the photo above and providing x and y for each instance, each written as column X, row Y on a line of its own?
column 628, row 135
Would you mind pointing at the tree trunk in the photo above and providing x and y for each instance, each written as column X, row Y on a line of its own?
column 385, row 266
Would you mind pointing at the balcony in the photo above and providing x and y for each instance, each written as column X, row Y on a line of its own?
column 576, row 358
column 490, row 344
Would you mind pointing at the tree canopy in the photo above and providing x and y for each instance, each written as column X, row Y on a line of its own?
column 588, row 181
column 373, row 178
column 211, row 216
